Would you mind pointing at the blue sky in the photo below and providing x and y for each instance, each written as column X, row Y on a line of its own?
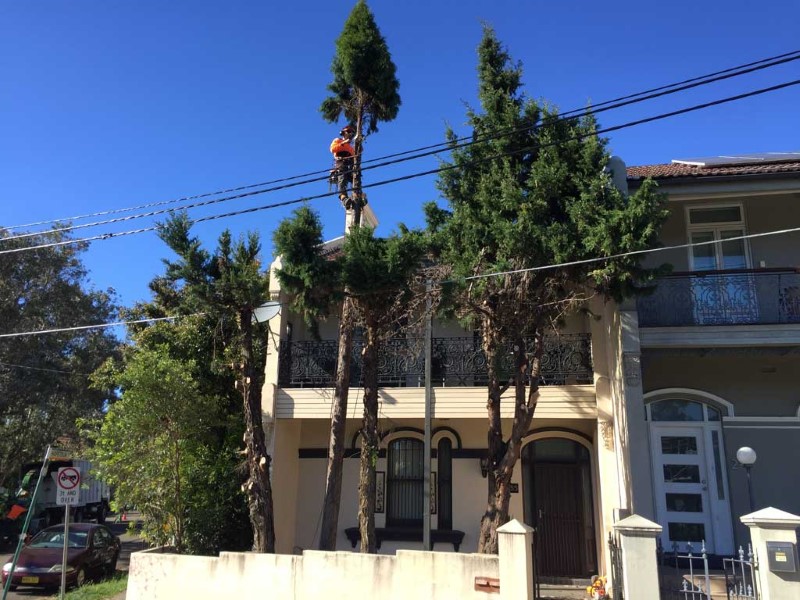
column 114, row 104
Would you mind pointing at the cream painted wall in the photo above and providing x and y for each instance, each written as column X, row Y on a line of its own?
column 757, row 384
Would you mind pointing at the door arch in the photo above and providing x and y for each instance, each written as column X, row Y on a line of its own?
column 690, row 485
column 557, row 480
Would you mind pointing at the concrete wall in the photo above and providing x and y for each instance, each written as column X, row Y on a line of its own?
column 439, row 576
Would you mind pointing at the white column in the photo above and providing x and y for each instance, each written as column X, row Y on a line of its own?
column 516, row 564
column 639, row 563
column 774, row 525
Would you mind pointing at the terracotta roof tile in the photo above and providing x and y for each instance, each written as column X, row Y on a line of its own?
column 680, row 170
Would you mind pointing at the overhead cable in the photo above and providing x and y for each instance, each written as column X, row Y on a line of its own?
column 440, row 169
column 417, row 152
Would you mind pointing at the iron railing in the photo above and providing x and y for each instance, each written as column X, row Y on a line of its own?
column 684, row 576
column 615, row 553
column 740, row 575
column 741, row 297
column 458, row 361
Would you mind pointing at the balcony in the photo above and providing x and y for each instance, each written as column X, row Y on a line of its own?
column 456, row 361
column 735, row 297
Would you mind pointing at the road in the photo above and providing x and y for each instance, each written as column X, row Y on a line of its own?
column 130, row 543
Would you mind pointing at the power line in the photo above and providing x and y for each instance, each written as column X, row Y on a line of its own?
column 85, row 327
column 418, row 152
column 562, row 265
column 419, row 174
column 3, row 364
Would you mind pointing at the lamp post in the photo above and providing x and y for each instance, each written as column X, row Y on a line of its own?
column 747, row 458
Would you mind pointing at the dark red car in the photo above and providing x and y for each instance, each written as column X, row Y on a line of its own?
column 92, row 553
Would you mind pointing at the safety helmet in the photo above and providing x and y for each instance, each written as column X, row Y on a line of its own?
column 348, row 130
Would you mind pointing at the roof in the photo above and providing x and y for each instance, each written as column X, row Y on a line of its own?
column 666, row 171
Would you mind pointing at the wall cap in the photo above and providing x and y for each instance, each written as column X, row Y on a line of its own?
column 514, row 527
column 636, row 524
column 771, row 518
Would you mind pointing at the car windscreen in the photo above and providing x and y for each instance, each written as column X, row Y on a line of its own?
column 55, row 539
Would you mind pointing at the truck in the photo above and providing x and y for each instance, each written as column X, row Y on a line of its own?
column 93, row 499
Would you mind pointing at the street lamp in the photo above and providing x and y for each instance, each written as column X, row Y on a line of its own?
column 747, row 458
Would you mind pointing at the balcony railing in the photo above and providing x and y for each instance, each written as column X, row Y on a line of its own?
column 567, row 359
column 723, row 298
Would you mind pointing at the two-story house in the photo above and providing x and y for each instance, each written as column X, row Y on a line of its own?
column 720, row 346
column 642, row 405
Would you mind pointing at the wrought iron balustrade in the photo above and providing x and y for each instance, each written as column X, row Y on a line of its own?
column 749, row 297
column 459, row 361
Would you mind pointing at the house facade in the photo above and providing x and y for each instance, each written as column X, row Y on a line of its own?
column 637, row 413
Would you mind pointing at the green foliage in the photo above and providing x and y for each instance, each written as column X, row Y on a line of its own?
column 145, row 445
column 364, row 84
column 377, row 272
column 42, row 396
column 311, row 279
column 537, row 196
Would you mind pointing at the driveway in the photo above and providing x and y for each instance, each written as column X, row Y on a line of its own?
column 130, row 543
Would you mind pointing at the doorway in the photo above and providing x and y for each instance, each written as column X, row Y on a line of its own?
column 557, row 498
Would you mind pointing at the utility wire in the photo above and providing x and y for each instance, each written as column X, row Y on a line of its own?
column 419, row 174
column 562, row 265
column 420, row 152
column 84, row 327
column 2, row 364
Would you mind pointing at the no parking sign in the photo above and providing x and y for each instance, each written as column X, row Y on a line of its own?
column 68, row 481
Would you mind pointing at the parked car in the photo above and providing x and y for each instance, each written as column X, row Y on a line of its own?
column 92, row 553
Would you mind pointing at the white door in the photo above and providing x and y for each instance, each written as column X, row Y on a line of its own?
column 681, row 474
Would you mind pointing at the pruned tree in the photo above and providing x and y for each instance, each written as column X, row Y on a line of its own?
column 531, row 191
column 380, row 276
column 365, row 91
column 228, row 285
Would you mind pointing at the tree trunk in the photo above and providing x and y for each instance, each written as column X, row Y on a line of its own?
column 358, row 195
column 369, row 445
column 333, row 478
column 497, row 480
column 258, row 486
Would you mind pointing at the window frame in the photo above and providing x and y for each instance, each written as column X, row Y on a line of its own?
column 716, row 229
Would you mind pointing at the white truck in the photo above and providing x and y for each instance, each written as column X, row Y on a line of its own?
column 93, row 500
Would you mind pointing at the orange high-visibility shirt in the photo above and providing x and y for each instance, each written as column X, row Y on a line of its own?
column 341, row 146
column 16, row 511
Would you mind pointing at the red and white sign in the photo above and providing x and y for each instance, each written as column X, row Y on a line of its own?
column 68, row 481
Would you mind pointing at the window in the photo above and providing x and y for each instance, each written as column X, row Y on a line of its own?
column 445, row 483
column 708, row 224
column 405, row 498
column 677, row 409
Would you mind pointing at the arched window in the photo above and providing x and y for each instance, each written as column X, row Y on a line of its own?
column 405, row 481
column 678, row 409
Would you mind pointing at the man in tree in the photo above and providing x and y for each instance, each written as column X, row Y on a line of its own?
column 530, row 192
column 365, row 91
column 343, row 153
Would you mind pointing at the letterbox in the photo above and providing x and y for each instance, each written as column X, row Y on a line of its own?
column 782, row 557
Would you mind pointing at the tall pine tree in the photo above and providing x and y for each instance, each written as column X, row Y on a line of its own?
column 532, row 191
column 364, row 91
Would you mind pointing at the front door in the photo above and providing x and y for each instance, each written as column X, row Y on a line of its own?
column 681, row 481
column 558, row 503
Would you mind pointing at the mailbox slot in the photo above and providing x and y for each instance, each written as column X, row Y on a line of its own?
column 782, row 557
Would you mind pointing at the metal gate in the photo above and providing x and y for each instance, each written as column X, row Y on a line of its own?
column 740, row 575
column 687, row 576
column 615, row 553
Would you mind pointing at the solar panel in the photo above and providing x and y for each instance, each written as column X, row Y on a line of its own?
column 740, row 159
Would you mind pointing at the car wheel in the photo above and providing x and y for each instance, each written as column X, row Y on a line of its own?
column 80, row 577
column 111, row 568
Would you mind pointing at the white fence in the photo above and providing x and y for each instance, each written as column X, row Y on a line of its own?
column 155, row 575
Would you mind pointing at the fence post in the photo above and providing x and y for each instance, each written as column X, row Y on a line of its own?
column 639, row 564
column 774, row 525
column 516, row 561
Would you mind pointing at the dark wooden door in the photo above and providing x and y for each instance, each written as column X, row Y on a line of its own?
column 558, row 505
